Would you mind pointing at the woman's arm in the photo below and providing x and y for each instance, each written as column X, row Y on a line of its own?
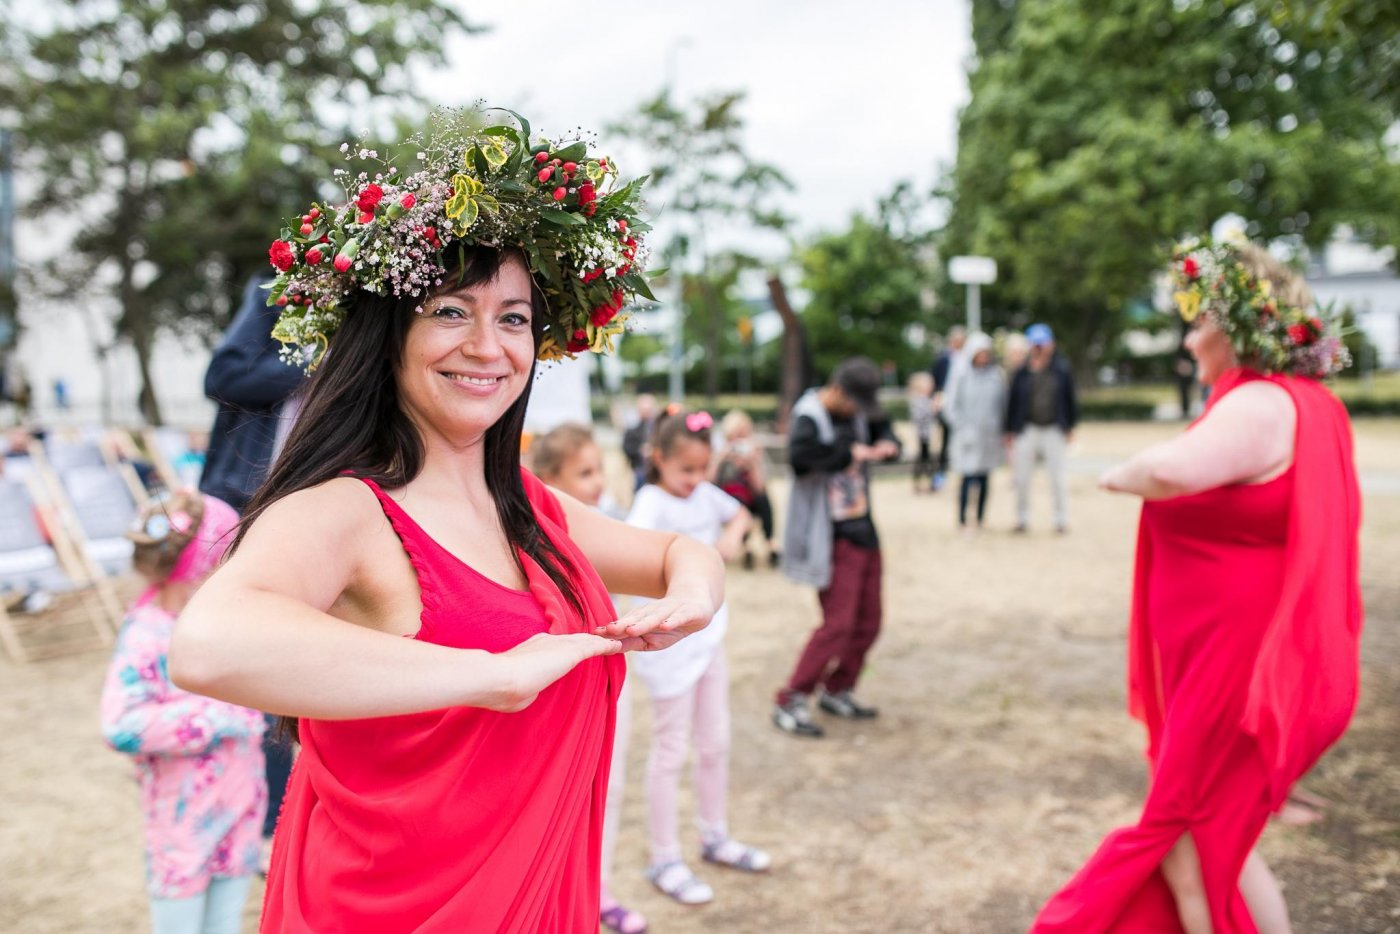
column 686, row 576
column 259, row 633
column 1247, row 436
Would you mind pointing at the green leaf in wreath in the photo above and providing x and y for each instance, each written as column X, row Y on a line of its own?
column 478, row 161
column 524, row 124
column 494, row 151
column 562, row 218
column 572, row 153
column 639, row 285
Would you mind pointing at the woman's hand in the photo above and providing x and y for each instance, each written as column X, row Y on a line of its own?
column 538, row 662
column 659, row 624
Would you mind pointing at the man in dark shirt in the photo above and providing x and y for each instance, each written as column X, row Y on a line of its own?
column 946, row 366
column 831, row 543
column 251, row 384
column 637, row 436
column 1041, row 412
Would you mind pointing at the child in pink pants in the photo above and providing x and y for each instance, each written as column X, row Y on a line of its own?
column 689, row 681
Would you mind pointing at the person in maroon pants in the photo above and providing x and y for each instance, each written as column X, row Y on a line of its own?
column 831, row 544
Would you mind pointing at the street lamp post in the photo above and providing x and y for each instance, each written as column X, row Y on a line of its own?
column 973, row 272
column 676, row 374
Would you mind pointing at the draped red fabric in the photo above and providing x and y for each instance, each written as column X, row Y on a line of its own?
column 1243, row 664
column 461, row 820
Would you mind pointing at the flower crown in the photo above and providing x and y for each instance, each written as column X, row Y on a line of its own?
column 565, row 209
column 1259, row 305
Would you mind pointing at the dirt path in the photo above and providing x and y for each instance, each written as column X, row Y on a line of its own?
column 1002, row 755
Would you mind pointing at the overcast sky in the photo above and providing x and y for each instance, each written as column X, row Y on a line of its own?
column 847, row 98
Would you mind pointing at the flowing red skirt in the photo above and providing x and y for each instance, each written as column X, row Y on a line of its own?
column 1243, row 666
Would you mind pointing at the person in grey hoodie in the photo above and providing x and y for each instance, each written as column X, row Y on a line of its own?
column 831, row 544
column 975, row 410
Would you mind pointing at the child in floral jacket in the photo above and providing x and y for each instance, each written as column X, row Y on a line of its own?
column 199, row 761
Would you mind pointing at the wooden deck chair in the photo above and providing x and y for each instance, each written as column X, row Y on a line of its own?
column 30, row 564
column 64, row 452
column 94, row 508
column 170, row 451
column 94, row 447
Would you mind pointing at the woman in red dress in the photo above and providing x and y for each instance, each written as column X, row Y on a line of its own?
column 433, row 621
column 1243, row 648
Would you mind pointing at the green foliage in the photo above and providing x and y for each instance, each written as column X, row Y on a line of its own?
column 177, row 135
column 1099, row 132
column 1372, row 25
column 701, row 176
column 867, row 286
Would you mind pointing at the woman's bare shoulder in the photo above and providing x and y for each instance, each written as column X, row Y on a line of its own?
column 343, row 507
column 1259, row 399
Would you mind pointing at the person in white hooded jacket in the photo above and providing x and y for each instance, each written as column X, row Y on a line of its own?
column 975, row 409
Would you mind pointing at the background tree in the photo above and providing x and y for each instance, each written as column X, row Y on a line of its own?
column 1372, row 25
column 867, row 286
column 172, row 138
column 1098, row 132
column 702, row 180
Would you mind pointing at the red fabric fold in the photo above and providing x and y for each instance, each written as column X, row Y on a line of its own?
column 1243, row 663
column 460, row 819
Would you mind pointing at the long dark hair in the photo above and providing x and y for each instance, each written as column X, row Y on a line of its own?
column 351, row 420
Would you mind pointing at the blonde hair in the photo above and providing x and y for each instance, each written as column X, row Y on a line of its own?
column 552, row 450
column 734, row 420
column 1288, row 286
column 921, row 381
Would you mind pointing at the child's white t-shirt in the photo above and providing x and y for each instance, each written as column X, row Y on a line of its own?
column 701, row 516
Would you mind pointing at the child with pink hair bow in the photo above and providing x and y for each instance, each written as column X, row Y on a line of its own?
column 199, row 762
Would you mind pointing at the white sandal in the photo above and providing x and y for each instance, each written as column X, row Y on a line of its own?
column 676, row 880
column 735, row 855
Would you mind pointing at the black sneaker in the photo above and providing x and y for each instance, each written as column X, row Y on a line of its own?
column 748, row 561
column 775, row 558
column 844, row 704
column 791, row 716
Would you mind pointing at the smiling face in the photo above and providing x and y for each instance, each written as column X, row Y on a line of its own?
column 683, row 467
column 1211, row 348
column 468, row 356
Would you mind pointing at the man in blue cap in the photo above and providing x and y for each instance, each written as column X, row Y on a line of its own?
column 1041, row 413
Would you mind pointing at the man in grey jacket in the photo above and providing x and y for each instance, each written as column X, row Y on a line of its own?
column 830, row 542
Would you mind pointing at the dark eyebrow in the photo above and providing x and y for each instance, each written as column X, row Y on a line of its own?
column 467, row 298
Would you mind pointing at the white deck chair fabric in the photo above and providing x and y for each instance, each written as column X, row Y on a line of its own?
column 104, row 508
column 18, row 467
column 27, row 561
column 65, row 455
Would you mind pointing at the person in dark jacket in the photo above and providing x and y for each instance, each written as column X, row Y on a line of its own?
column 946, row 366
column 251, row 385
column 253, row 389
column 637, row 437
column 1041, row 412
column 830, row 542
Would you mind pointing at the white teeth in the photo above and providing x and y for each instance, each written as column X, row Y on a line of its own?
column 475, row 381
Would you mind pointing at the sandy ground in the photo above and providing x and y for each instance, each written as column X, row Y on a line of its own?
column 1002, row 755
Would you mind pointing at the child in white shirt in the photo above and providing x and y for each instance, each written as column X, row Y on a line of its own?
column 689, row 681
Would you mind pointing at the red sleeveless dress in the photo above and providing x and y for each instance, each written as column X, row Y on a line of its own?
column 1243, row 664
column 460, row 820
